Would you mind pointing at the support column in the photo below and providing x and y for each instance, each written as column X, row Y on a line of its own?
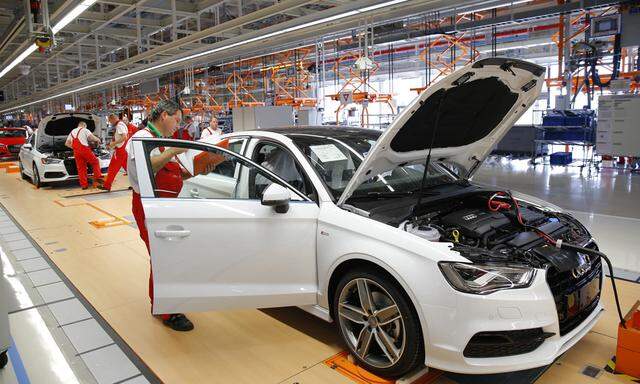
column 174, row 21
column 97, row 43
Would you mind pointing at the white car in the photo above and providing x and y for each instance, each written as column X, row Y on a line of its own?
column 415, row 268
column 45, row 159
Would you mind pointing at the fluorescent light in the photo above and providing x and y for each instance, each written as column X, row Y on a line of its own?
column 214, row 50
column 510, row 4
column 32, row 48
column 75, row 12
column 69, row 17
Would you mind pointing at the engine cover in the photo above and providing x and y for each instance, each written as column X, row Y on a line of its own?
column 475, row 222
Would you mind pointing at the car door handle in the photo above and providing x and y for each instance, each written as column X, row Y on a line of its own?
column 169, row 234
column 194, row 193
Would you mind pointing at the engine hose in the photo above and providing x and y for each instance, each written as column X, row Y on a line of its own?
column 562, row 245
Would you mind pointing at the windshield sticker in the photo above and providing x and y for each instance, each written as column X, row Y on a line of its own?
column 328, row 153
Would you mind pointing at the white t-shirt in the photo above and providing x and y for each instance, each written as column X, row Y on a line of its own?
column 82, row 135
column 121, row 129
column 210, row 132
column 131, row 163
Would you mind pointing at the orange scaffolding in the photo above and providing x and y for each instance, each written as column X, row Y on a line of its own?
column 357, row 89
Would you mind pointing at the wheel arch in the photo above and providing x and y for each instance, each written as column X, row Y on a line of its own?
column 354, row 261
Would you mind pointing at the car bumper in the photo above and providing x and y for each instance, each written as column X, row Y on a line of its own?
column 59, row 172
column 450, row 328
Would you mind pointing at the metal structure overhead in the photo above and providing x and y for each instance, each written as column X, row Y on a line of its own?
column 122, row 40
column 115, row 38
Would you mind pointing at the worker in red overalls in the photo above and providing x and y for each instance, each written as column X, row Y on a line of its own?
column 79, row 140
column 119, row 157
column 163, row 122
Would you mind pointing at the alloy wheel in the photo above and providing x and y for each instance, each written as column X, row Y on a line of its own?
column 372, row 323
column 36, row 176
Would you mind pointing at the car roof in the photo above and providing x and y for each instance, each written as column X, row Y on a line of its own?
column 12, row 129
column 333, row 131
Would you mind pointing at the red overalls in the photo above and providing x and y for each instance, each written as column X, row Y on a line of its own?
column 118, row 160
column 168, row 184
column 84, row 155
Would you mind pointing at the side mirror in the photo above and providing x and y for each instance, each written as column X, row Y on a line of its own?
column 278, row 197
column 26, row 146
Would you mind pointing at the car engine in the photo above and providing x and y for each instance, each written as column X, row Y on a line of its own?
column 484, row 232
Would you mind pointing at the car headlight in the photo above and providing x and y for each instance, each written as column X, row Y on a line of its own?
column 49, row 160
column 484, row 279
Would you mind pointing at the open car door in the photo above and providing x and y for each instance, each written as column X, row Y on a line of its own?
column 236, row 235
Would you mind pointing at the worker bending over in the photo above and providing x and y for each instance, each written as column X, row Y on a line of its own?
column 79, row 140
column 119, row 157
column 168, row 174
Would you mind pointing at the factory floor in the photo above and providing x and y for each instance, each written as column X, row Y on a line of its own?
column 79, row 310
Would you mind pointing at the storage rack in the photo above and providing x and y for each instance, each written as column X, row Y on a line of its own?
column 586, row 141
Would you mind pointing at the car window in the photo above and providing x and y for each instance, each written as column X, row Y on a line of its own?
column 210, row 173
column 280, row 161
column 236, row 145
column 336, row 161
column 12, row 133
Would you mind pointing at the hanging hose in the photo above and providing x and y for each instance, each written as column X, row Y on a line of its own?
column 562, row 245
column 571, row 247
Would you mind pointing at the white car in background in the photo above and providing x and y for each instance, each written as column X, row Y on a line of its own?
column 414, row 267
column 45, row 159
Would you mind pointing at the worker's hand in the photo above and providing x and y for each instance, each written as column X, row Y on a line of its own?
column 111, row 145
column 174, row 151
column 210, row 168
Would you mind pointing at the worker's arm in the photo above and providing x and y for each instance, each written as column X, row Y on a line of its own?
column 93, row 138
column 69, row 142
column 117, row 139
column 159, row 161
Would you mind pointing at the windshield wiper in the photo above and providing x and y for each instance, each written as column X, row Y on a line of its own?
column 378, row 195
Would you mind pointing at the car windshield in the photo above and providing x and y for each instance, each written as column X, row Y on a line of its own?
column 12, row 133
column 336, row 160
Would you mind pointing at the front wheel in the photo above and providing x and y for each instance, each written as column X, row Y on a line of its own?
column 378, row 323
column 22, row 174
column 36, row 177
column 4, row 359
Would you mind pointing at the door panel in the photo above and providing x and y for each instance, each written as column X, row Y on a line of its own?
column 216, row 246
column 238, row 254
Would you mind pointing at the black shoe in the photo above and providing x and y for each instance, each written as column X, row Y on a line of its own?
column 84, row 188
column 179, row 322
column 103, row 188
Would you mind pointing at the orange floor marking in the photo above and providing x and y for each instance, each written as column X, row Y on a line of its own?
column 7, row 164
column 12, row 169
column 341, row 364
column 106, row 222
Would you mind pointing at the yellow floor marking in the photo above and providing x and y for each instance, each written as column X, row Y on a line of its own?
column 110, row 221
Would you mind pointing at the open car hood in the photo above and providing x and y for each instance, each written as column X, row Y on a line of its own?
column 54, row 129
column 461, row 117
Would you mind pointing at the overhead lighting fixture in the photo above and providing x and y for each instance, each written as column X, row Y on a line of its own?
column 32, row 48
column 510, row 4
column 215, row 50
column 69, row 17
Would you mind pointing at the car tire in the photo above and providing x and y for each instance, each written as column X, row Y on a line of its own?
column 36, row 177
column 22, row 174
column 387, row 343
column 4, row 359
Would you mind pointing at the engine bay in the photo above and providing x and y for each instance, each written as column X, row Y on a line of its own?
column 486, row 226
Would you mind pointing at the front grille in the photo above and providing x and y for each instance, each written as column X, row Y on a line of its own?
column 70, row 166
column 563, row 284
column 15, row 148
column 53, row 175
column 504, row 343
